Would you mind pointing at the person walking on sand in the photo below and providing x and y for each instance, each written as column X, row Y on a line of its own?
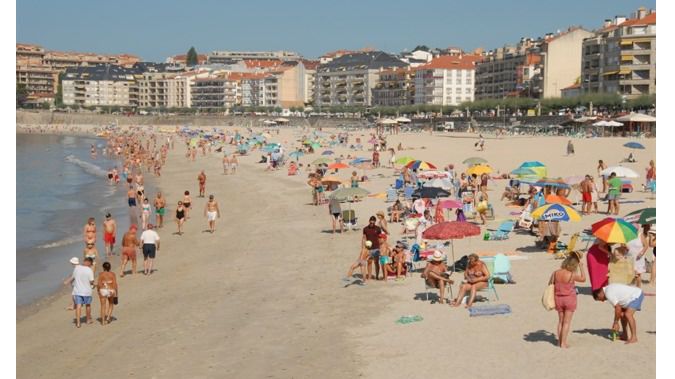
column 83, row 281
column 90, row 251
column 131, row 197
column 226, row 164
column 571, row 271
column 160, row 204
column 129, row 245
column 187, row 203
column 150, row 242
column 233, row 164
column 90, row 231
column 570, row 148
column 211, row 212
column 109, row 233
column 107, row 291
column 601, row 167
column 586, row 195
column 145, row 215
column 201, row 178
column 180, row 217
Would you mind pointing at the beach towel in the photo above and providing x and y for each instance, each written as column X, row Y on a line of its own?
column 489, row 310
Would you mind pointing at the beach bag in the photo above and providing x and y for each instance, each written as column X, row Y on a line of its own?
column 548, row 299
column 461, row 263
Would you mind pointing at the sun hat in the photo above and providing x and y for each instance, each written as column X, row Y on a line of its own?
column 437, row 257
column 380, row 213
column 369, row 244
column 75, row 260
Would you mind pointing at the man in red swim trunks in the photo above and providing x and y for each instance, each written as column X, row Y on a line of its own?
column 129, row 245
column 109, row 233
column 586, row 197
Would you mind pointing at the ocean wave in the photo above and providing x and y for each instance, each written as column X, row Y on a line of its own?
column 87, row 167
column 63, row 242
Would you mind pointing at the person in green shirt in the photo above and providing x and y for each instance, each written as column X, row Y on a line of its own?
column 613, row 194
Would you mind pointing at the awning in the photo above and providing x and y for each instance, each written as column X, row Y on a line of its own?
column 608, row 73
column 626, row 57
column 625, row 71
column 627, row 42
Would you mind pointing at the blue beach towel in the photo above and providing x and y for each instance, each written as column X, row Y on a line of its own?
column 489, row 310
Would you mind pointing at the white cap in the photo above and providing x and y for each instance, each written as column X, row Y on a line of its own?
column 75, row 260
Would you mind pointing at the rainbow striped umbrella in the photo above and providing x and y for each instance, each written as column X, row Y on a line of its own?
column 556, row 212
column 614, row 230
column 420, row 165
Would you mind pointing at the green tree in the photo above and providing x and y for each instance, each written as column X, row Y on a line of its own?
column 191, row 58
column 58, row 99
column 21, row 95
column 45, row 105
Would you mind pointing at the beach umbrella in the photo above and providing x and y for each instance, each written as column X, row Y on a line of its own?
column 621, row 172
column 404, row 160
column 315, row 145
column 349, row 192
column 438, row 183
column 479, row 170
column 537, row 167
column 555, row 199
column 296, row 154
column 331, row 180
column 451, row 230
column 552, row 182
column 556, row 212
column 430, row 193
column 402, row 119
column 337, row 166
column 523, row 171
column 474, row 161
column 449, row 204
column 572, row 180
column 328, row 152
column 614, row 230
column 642, row 216
column 634, row 145
column 420, row 165
column 432, row 174
column 359, row 161
column 321, row 160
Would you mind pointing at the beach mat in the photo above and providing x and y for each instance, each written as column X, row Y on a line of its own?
column 489, row 310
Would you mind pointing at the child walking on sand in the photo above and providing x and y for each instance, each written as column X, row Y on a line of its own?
column 571, row 271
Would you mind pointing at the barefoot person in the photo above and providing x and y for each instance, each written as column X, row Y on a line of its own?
column 434, row 274
column 150, row 242
column 180, row 217
column 211, row 212
column 201, row 178
column 475, row 278
column 566, row 294
column 361, row 262
column 107, row 291
column 109, row 233
column 187, row 203
column 626, row 300
column 83, row 281
column 129, row 245
column 336, row 214
column 90, row 231
column 160, row 203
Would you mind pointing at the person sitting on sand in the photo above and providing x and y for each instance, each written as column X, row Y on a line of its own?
column 475, row 278
column 395, row 262
column 435, row 274
column 566, row 295
column 626, row 301
column 396, row 211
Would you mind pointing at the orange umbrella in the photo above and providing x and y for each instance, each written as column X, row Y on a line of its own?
column 334, row 166
column 555, row 199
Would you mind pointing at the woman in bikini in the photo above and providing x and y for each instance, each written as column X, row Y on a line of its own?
column 180, row 217
column 187, row 204
column 107, row 291
column 91, row 252
column 90, row 231
column 145, row 216
column 475, row 278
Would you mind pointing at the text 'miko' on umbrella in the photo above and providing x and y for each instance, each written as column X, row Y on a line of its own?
column 642, row 216
column 556, row 212
column 614, row 230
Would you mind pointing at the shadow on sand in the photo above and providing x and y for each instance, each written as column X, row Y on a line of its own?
column 604, row 332
column 541, row 336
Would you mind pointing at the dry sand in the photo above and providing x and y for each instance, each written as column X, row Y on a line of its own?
column 262, row 297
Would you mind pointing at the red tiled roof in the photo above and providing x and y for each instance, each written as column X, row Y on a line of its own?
column 310, row 65
column 452, row 62
column 261, row 63
column 336, row 53
column 649, row 19
column 573, row 86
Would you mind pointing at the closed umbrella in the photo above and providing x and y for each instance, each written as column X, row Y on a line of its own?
column 614, row 230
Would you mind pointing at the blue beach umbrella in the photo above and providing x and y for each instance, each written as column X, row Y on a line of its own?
column 634, row 145
column 359, row 161
column 328, row 152
column 296, row 154
column 524, row 171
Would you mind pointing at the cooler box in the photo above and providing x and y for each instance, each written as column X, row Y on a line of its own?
column 626, row 186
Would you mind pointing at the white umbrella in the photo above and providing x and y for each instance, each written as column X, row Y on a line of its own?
column 281, row 119
column 636, row 117
column 614, row 123
column 269, row 122
column 387, row 121
column 601, row 123
column 402, row 119
column 621, row 172
column 438, row 183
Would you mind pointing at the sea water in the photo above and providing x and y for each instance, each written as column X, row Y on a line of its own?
column 58, row 186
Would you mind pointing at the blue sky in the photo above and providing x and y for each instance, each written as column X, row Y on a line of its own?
column 157, row 29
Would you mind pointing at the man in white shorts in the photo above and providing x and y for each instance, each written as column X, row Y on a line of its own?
column 211, row 212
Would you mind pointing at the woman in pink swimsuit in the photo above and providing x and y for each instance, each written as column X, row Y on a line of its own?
column 566, row 293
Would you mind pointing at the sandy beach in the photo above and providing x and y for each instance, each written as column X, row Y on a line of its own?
column 262, row 296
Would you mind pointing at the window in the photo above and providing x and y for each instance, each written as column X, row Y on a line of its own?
column 468, row 81
column 467, row 90
column 458, row 81
column 458, row 90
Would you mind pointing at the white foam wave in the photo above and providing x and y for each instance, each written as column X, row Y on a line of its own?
column 63, row 242
column 87, row 167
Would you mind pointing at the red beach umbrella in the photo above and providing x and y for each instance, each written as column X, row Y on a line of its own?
column 451, row 230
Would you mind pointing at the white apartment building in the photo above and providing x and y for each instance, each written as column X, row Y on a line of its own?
column 446, row 80
column 102, row 85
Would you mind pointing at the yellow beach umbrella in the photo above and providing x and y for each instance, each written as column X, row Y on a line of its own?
column 479, row 170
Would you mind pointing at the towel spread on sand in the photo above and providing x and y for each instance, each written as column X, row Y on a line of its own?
column 489, row 310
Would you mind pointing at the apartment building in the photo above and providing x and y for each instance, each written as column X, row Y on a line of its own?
column 621, row 56
column 446, row 80
column 310, row 79
column 395, row 87
column 217, row 92
column 349, row 79
column 153, row 89
column 181, row 59
column 100, row 85
column 253, row 89
column 228, row 57
column 29, row 55
column 60, row 60
column 37, row 79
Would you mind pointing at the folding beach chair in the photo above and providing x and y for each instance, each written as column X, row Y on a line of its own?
column 349, row 219
column 392, row 195
column 407, row 192
column 502, row 231
column 490, row 263
column 525, row 220
column 448, row 287
column 502, row 269
column 564, row 250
